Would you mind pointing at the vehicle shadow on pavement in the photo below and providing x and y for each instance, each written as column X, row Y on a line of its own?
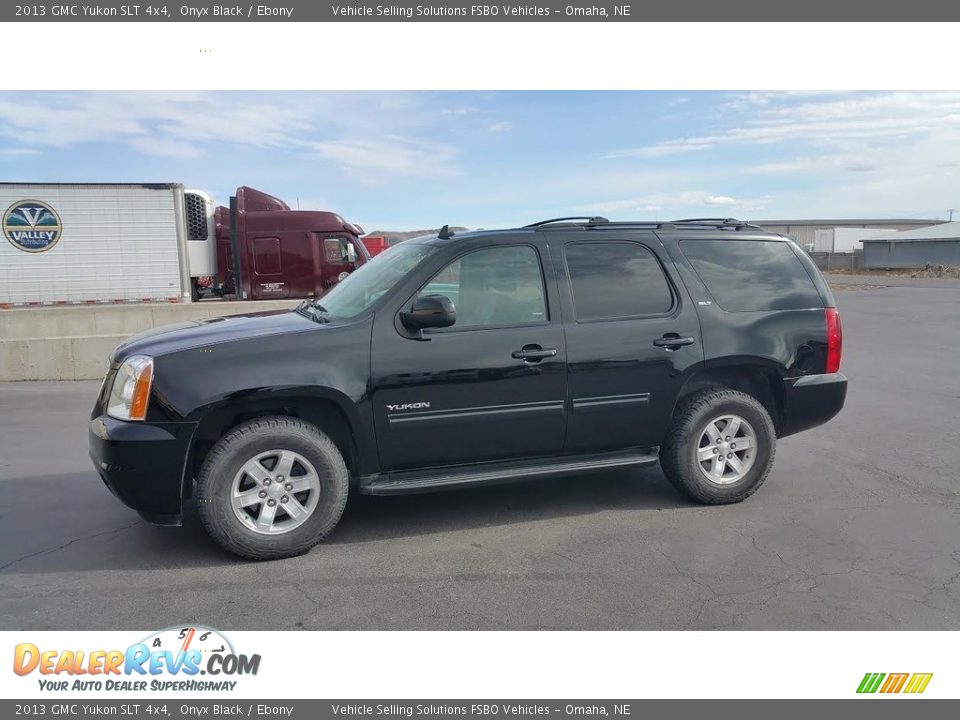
column 80, row 527
column 378, row 518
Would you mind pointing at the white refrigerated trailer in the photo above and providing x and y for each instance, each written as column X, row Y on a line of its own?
column 97, row 243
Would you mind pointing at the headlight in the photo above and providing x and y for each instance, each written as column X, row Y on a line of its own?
column 130, row 393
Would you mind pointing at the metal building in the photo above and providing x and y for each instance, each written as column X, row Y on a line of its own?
column 934, row 245
column 804, row 232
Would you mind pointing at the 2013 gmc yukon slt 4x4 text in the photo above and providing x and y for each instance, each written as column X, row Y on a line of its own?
column 564, row 347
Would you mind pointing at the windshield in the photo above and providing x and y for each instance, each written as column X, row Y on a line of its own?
column 359, row 290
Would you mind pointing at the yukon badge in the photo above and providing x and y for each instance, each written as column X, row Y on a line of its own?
column 409, row 406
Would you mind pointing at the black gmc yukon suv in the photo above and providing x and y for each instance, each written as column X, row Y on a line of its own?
column 564, row 347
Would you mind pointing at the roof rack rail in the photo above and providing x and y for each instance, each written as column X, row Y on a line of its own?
column 720, row 223
column 594, row 220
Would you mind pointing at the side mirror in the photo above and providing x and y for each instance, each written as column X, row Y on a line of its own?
column 351, row 252
column 429, row 311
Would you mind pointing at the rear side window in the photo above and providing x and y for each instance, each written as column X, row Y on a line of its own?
column 613, row 280
column 749, row 275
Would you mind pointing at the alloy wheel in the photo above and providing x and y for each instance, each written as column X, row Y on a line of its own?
column 275, row 492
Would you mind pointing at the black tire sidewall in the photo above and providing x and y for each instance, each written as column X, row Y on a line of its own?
column 227, row 458
column 691, row 476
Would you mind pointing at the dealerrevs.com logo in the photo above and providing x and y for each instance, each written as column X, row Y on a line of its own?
column 176, row 659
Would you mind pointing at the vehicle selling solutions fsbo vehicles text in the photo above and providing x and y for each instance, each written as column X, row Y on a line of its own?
column 424, row 11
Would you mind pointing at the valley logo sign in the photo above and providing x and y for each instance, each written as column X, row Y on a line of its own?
column 32, row 226
column 169, row 660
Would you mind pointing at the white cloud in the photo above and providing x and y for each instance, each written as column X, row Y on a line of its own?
column 391, row 155
column 669, row 147
column 166, row 147
column 829, row 120
column 721, row 200
column 499, row 126
column 689, row 200
column 354, row 131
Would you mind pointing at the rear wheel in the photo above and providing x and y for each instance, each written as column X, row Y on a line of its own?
column 720, row 446
column 272, row 488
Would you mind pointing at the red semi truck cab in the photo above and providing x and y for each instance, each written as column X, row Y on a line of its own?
column 282, row 253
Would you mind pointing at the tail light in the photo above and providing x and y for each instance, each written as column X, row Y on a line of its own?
column 834, row 340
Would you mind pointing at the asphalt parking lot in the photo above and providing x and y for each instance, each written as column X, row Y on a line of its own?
column 858, row 526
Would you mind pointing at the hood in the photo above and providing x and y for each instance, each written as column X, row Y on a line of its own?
column 186, row 335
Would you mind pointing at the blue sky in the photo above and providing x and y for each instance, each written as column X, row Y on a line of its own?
column 408, row 160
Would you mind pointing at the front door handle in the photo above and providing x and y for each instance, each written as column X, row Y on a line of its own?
column 533, row 353
column 672, row 341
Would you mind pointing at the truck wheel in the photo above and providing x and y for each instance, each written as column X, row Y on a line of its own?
column 719, row 447
column 195, row 294
column 272, row 488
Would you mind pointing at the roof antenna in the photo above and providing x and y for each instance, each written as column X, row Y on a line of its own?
column 445, row 233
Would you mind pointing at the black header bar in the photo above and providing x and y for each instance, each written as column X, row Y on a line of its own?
column 742, row 12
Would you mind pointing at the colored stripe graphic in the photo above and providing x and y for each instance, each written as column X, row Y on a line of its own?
column 894, row 683
column 870, row 682
column 918, row 682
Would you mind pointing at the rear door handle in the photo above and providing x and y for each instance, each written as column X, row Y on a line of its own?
column 533, row 353
column 672, row 341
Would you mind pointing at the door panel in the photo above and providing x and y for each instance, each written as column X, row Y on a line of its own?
column 624, row 370
column 493, row 388
column 268, row 272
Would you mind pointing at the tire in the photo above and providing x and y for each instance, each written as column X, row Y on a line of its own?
column 195, row 294
column 680, row 455
column 246, row 462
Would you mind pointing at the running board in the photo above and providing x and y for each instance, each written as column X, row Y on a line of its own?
column 449, row 478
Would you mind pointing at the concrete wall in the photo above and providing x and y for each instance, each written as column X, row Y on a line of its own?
column 72, row 343
column 912, row 254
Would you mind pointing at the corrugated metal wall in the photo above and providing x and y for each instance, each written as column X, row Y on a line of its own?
column 911, row 254
column 116, row 243
column 804, row 235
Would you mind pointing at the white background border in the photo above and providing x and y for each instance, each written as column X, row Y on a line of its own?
column 470, row 56
column 563, row 665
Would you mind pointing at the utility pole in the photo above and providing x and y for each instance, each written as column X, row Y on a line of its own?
column 951, row 211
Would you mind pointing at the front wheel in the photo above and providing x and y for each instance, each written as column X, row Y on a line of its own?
column 272, row 488
column 720, row 446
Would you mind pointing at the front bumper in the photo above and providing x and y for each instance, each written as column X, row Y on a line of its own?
column 143, row 464
column 812, row 400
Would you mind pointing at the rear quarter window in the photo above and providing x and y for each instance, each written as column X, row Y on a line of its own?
column 752, row 275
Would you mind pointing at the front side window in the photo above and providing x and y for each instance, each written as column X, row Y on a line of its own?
column 373, row 279
column 617, row 279
column 335, row 250
column 493, row 287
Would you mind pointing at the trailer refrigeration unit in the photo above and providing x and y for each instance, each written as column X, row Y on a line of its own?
column 87, row 243
column 160, row 242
